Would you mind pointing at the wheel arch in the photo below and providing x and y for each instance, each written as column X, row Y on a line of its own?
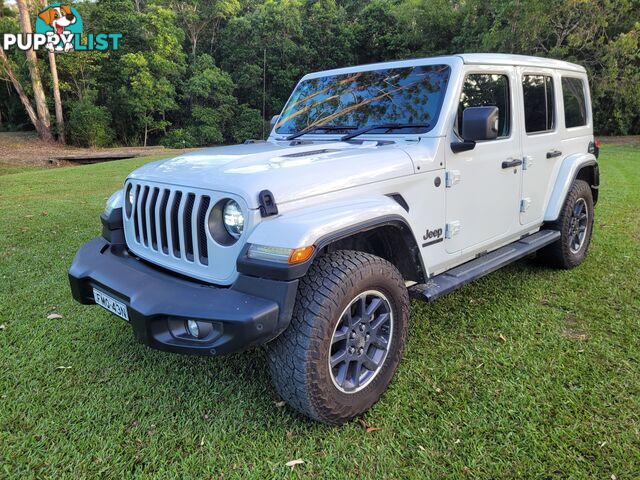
column 377, row 225
column 390, row 239
column 582, row 166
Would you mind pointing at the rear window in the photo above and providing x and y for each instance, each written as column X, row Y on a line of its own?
column 575, row 109
column 538, row 103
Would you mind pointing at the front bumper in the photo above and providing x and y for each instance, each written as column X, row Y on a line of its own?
column 250, row 312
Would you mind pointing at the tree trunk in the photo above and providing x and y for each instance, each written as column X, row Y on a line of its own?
column 4, row 61
column 56, row 98
column 194, row 45
column 57, row 101
column 44, row 121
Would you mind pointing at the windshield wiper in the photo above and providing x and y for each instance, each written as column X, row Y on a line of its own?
column 319, row 127
column 386, row 126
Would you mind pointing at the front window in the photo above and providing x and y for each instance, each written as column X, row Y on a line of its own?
column 408, row 96
column 487, row 90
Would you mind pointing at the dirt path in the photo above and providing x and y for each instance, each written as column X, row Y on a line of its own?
column 24, row 149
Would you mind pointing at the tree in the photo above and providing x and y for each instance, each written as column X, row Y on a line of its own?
column 43, row 123
column 216, row 116
column 5, row 66
column 199, row 15
column 148, row 98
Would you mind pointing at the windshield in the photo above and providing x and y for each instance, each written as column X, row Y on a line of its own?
column 409, row 95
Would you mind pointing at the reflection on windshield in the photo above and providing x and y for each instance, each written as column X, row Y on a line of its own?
column 356, row 100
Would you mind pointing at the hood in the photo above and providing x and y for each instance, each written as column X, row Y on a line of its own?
column 289, row 172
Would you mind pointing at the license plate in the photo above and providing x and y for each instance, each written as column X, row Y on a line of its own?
column 111, row 304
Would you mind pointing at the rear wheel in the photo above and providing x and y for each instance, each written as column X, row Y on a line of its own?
column 575, row 224
column 345, row 339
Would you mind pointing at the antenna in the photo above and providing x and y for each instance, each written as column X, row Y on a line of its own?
column 264, row 90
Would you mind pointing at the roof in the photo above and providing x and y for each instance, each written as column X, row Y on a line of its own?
column 467, row 58
column 519, row 60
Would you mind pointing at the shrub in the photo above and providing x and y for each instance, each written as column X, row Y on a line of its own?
column 179, row 138
column 89, row 125
column 247, row 124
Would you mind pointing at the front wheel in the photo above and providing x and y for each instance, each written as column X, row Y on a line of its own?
column 575, row 224
column 346, row 337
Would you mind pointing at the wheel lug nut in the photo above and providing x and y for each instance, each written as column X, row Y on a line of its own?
column 366, row 337
column 353, row 334
column 351, row 350
column 360, row 350
column 362, row 328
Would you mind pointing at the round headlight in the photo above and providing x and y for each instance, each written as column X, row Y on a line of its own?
column 114, row 201
column 233, row 218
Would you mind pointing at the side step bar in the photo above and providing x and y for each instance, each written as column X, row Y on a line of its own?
column 467, row 272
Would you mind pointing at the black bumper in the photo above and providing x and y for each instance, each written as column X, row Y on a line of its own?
column 250, row 312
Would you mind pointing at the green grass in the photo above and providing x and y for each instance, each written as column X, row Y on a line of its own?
column 9, row 168
column 527, row 373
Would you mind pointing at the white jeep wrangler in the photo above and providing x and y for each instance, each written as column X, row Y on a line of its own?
column 377, row 182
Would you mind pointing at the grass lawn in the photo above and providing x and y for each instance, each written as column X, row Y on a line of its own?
column 526, row 373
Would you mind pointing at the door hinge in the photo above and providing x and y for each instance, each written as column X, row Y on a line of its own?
column 452, row 229
column 451, row 178
column 527, row 162
column 525, row 203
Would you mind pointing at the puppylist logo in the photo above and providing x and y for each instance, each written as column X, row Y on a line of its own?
column 59, row 29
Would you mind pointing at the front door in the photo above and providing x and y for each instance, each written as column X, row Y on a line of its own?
column 483, row 193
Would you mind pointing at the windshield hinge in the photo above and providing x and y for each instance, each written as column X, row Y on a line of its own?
column 267, row 204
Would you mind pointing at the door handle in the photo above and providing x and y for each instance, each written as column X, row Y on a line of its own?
column 513, row 162
column 554, row 153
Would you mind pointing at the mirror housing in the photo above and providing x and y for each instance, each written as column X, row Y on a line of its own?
column 275, row 119
column 480, row 123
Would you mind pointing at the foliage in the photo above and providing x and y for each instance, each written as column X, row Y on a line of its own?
column 196, row 66
column 89, row 124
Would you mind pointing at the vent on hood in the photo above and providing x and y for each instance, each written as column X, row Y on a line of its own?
column 307, row 154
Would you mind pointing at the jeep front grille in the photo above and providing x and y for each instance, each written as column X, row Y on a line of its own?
column 171, row 221
column 168, row 225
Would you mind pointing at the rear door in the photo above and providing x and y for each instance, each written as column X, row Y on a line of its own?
column 482, row 197
column 541, row 140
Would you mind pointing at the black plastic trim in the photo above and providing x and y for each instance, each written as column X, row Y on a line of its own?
column 250, row 312
column 464, row 146
column 113, row 226
column 456, row 277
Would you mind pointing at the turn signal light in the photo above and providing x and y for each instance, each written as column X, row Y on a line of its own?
column 302, row 254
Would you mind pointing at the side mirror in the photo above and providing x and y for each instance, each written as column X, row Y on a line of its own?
column 480, row 123
column 275, row 119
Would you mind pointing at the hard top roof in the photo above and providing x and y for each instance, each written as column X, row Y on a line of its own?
column 466, row 58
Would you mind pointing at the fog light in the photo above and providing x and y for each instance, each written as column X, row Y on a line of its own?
column 193, row 328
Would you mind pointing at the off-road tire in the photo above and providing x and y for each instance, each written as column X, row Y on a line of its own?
column 299, row 357
column 559, row 254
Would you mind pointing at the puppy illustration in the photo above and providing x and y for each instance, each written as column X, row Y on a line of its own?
column 58, row 18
